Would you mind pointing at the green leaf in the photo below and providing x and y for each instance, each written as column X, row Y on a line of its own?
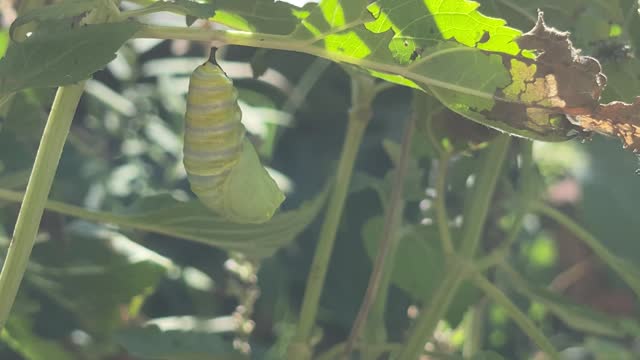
column 19, row 336
column 63, row 10
column 589, row 20
column 58, row 55
column 193, row 221
column 262, row 16
column 192, row 9
column 97, row 274
column 578, row 317
column 150, row 342
column 420, row 264
column 448, row 49
column 445, row 131
column 4, row 42
column 450, row 20
column 96, row 293
column 420, row 261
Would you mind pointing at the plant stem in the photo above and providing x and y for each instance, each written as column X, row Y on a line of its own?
column 474, row 329
column 475, row 211
column 626, row 271
column 378, row 349
column 528, row 191
column 518, row 316
column 334, row 352
column 393, row 218
column 431, row 315
column 40, row 181
column 475, row 215
column 362, row 95
column 285, row 42
column 442, row 217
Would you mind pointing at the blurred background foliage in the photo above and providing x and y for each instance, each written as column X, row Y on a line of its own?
column 90, row 284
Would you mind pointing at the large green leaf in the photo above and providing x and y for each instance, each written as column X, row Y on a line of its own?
column 66, row 9
column 193, row 221
column 61, row 54
column 192, row 9
column 263, row 16
column 472, row 63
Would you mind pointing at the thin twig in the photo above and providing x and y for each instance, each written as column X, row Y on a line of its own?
column 392, row 219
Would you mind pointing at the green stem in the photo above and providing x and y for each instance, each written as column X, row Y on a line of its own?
column 388, row 241
column 616, row 263
column 335, row 352
column 475, row 216
column 40, row 181
column 287, row 43
column 518, row 316
column 476, row 210
column 379, row 349
column 442, row 218
column 474, row 329
column 359, row 116
column 528, row 191
column 430, row 316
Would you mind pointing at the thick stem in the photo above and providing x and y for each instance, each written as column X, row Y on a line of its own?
column 393, row 218
column 360, row 114
column 475, row 216
column 40, row 181
column 518, row 316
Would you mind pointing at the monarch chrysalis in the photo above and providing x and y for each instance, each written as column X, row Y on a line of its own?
column 222, row 165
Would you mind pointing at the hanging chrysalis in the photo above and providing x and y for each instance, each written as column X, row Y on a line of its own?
column 222, row 165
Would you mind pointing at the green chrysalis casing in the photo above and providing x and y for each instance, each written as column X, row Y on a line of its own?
column 222, row 166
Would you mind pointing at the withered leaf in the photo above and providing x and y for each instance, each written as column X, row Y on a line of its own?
column 615, row 119
column 561, row 85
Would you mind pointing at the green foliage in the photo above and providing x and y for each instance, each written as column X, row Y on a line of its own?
column 475, row 203
column 150, row 342
column 261, row 16
column 20, row 337
column 61, row 11
column 192, row 9
column 192, row 221
column 38, row 61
